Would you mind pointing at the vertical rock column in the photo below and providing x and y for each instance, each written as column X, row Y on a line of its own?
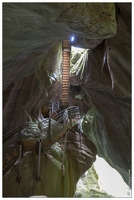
column 66, row 47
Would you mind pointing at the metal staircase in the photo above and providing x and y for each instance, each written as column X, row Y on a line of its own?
column 47, row 131
column 41, row 135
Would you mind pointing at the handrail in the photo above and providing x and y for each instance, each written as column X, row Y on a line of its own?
column 14, row 129
column 54, row 105
column 27, row 123
column 60, row 122
column 55, row 126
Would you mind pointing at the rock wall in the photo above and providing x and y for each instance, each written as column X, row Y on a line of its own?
column 106, row 90
column 32, row 39
column 60, row 169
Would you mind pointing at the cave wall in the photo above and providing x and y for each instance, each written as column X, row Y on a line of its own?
column 60, row 169
column 29, row 26
column 106, row 90
column 32, row 75
column 27, row 90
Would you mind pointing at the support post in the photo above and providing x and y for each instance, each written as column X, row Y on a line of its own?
column 63, row 153
column 39, row 155
column 18, row 178
column 49, row 129
column 52, row 107
column 58, row 106
column 70, row 119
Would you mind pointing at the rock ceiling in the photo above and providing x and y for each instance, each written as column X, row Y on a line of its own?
column 32, row 38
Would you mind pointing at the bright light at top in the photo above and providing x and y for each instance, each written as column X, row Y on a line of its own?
column 72, row 39
column 110, row 180
column 77, row 49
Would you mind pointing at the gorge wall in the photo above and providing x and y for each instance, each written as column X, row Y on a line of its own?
column 32, row 57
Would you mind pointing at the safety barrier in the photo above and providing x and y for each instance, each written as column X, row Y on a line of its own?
column 45, row 132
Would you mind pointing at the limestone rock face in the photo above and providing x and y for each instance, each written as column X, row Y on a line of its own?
column 32, row 51
column 60, row 169
column 28, row 26
column 106, row 89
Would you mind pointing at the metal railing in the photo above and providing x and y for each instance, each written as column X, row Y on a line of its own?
column 55, row 124
column 43, row 129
